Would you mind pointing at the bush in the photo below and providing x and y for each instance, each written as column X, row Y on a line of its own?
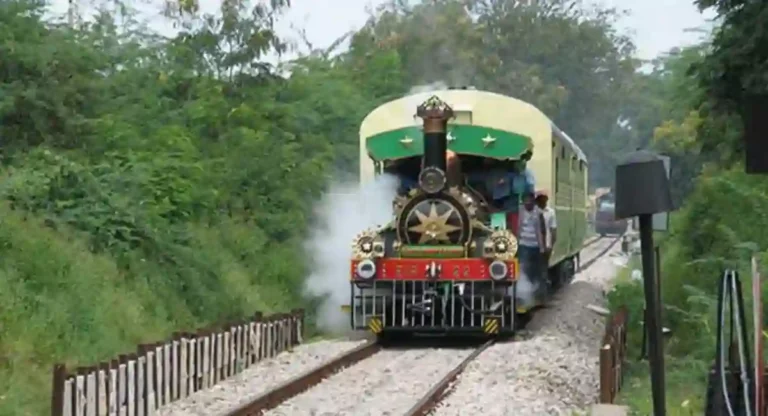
column 721, row 225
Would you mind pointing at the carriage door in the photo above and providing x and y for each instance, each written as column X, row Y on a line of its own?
column 556, row 199
column 563, row 200
column 573, row 171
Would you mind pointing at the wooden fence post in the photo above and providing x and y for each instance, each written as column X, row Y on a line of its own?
column 57, row 393
column 137, row 384
column 300, row 330
column 606, row 374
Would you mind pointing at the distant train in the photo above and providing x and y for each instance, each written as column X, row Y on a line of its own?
column 605, row 216
column 447, row 261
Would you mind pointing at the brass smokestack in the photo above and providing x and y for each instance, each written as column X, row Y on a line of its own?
column 435, row 114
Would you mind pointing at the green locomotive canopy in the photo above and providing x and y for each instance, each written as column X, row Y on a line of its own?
column 462, row 139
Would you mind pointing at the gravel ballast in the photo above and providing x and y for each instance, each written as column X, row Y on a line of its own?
column 262, row 377
column 389, row 383
column 553, row 368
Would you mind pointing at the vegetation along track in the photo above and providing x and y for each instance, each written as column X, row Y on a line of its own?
column 376, row 376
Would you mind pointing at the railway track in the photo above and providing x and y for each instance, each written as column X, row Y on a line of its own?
column 348, row 360
column 439, row 390
column 613, row 240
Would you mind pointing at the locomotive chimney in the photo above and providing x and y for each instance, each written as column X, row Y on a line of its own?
column 435, row 113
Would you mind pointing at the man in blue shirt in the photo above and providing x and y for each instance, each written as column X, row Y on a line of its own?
column 506, row 187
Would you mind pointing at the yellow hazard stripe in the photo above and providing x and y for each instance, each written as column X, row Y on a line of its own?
column 491, row 326
column 375, row 325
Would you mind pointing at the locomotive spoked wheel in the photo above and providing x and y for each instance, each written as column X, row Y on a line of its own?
column 428, row 219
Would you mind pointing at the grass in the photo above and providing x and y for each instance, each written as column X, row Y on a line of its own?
column 59, row 302
column 685, row 377
column 685, row 387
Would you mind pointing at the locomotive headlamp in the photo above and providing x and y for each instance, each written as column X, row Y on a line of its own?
column 501, row 245
column 498, row 270
column 366, row 269
column 364, row 246
column 378, row 248
column 432, row 180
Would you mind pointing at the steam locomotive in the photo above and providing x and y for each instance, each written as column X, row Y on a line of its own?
column 447, row 261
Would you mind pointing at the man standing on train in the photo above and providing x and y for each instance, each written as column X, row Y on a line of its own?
column 506, row 188
column 550, row 223
column 531, row 241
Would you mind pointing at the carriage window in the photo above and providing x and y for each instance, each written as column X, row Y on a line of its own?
column 562, row 153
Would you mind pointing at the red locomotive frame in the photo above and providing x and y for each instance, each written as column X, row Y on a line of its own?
column 468, row 269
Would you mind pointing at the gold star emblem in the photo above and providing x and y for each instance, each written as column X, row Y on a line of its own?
column 433, row 227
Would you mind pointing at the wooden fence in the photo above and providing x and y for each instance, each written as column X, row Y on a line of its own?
column 138, row 384
column 613, row 354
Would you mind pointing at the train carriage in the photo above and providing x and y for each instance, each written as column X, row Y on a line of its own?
column 447, row 260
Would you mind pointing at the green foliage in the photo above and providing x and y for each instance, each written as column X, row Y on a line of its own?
column 721, row 222
column 730, row 75
column 719, row 227
column 153, row 184
column 142, row 196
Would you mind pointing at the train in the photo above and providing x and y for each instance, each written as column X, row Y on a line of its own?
column 605, row 219
column 447, row 262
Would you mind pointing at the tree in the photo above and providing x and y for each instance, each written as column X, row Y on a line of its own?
column 177, row 176
column 567, row 61
column 731, row 74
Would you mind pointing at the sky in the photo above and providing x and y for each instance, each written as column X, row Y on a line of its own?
column 655, row 25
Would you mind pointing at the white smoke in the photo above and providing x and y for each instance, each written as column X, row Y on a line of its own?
column 435, row 86
column 346, row 210
column 526, row 291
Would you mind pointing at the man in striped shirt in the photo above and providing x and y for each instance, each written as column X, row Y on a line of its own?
column 531, row 240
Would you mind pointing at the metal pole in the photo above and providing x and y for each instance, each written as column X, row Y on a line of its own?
column 653, row 316
column 659, row 304
column 758, row 322
column 71, row 13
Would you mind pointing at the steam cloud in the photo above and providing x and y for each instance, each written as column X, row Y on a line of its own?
column 525, row 291
column 435, row 86
column 345, row 211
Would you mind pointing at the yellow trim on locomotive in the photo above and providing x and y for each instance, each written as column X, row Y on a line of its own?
column 375, row 325
column 491, row 326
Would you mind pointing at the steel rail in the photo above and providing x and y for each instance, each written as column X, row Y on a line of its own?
column 591, row 261
column 303, row 382
column 440, row 390
column 592, row 240
column 299, row 384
